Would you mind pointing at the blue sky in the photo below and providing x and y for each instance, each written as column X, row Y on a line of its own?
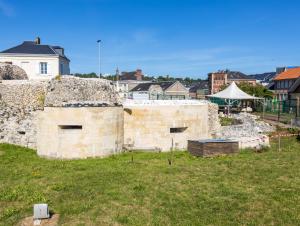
column 180, row 38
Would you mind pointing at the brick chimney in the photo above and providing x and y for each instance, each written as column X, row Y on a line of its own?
column 139, row 75
column 37, row 41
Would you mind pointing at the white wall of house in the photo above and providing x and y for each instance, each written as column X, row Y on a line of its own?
column 33, row 67
column 142, row 95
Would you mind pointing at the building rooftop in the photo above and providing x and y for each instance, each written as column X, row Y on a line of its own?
column 200, row 85
column 238, row 75
column 128, row 103
column 292, row 73
column 31, row 47
column 146, row 86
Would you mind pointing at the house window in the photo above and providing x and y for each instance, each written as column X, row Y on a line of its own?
column 43, row 68
column 61, row 69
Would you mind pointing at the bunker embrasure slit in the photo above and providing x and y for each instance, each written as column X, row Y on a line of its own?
column 70, row 127
column 177, row 129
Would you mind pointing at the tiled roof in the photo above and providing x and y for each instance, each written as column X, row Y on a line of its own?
column 292, row 73
column 200, row 85
column 29, row 47
column 236, row 75
column 146, row 86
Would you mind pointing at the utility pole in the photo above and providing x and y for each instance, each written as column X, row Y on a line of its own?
column 99, row 58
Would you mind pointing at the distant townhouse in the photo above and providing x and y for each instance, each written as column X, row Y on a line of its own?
column 39, row 61
column 160, row 91
column 127, row 81
column 217, row 80
column 294, row 91
column 286, row 83
column 199, row 90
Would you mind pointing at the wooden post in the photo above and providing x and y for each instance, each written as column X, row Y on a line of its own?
column 171, row 155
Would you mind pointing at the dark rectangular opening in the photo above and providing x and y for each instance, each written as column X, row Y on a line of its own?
column 70, row 127
column 177, row 129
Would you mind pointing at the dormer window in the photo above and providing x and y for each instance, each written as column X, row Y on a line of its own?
column 43, row 68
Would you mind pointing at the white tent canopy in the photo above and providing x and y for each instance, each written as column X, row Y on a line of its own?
column 233, row 92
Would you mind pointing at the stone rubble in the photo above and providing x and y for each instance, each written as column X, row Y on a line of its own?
column 251, row 133
column 77, row 90
column 12, row 72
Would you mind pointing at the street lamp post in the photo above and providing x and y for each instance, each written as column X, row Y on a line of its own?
column 99, row 58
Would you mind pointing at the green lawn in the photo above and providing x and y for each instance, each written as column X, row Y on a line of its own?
column 244, row 189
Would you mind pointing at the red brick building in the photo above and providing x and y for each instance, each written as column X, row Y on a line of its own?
column 217, row 80
column 133, row 75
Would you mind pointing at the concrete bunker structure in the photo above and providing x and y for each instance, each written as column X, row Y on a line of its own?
column 80, row 132
column 69, row 118
column 163, row 124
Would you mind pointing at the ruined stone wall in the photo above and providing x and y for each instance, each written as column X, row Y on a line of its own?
column 19, row 103
column 22, row 100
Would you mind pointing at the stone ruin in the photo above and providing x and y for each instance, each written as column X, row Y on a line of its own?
column 12, row 72
column 22, row 100
column 250, row 133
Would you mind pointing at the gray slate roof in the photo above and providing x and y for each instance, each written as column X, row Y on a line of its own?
column 29, row 47
column 146, row 86
column 199, row 85
column 238, row 75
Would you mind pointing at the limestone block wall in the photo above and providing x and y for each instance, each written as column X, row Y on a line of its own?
column 83, row 132
column 156, row 124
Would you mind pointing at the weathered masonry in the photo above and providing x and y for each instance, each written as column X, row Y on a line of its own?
column 80, row 132
column 164, row 124
column 79, row 118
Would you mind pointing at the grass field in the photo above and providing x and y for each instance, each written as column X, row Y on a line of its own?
column 244, row 189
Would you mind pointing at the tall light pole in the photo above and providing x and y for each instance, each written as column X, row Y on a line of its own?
column 99, row 60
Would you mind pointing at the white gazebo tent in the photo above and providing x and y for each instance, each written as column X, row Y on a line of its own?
column 233, row 93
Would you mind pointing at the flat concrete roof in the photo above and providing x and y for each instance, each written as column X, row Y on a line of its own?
column 129, row 102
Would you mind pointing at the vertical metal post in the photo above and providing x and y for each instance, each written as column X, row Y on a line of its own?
column 99, row 58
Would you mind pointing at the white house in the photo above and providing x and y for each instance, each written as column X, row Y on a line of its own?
column 172, row 90
column 39, row 61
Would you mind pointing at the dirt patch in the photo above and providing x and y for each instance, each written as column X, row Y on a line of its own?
column 53, row 221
